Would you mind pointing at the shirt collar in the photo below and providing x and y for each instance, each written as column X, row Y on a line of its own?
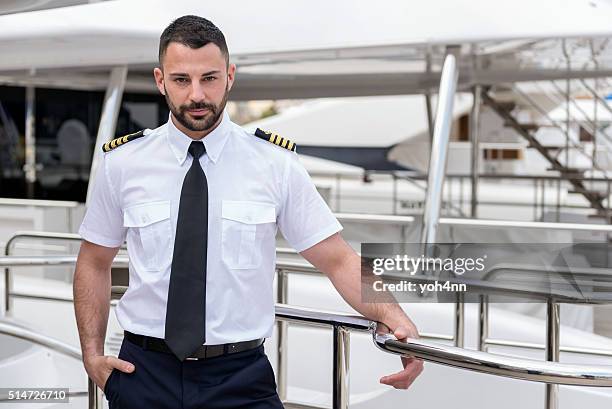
column 213, row 142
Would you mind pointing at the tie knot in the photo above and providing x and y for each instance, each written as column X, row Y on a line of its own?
column 196, row 149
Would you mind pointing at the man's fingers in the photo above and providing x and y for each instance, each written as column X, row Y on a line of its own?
column 404, row 378
column 382, row 329
column 123, row 366
column 403, row 332
column 403, row 381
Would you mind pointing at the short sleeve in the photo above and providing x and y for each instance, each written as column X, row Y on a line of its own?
column 304, row 218
column 103, row 221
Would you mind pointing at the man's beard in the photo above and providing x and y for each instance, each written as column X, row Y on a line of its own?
column 198, row 125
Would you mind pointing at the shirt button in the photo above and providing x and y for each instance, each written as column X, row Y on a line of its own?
column 248, row 218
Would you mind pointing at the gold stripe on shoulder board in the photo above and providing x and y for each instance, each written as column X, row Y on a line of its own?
column 110, row 145
column 275, row 139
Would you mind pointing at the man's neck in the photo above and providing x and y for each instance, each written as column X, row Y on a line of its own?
column 197, row 135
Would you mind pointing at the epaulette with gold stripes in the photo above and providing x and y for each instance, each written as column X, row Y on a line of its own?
column 275, row 139
column 110, row 145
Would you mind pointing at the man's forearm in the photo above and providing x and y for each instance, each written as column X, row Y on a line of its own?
column 91, row 293
column 346, row 277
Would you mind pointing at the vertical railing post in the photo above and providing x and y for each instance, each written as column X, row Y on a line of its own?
column 461, row 195
column 340, row 389
column 483, row 322
column 535, row 199
column 474, row 137
column 459, row 320
column 7, row 284
column 558, row 217
column 543, row 199
column 94, row 397
column 567, row 102
column 609, row 205
column 281, row 326
column 552, row 349
column 394, row 176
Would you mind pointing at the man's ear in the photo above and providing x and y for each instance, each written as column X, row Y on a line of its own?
column 159, row 80
column 231, row 75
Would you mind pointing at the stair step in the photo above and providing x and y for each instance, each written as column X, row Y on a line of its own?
column 601, row 195
column 549, row 147
column 566, row 171
column 527, row 127
column 506, row 105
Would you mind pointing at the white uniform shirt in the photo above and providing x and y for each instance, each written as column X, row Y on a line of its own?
column 253, row 187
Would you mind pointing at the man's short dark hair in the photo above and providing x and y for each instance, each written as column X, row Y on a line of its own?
column 193, row 32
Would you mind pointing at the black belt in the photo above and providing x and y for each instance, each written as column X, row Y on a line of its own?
column 203, row 352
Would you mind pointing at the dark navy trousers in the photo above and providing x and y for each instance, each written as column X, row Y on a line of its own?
column 160, row 381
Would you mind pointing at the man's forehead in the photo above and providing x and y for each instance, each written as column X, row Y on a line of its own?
column 208, row 57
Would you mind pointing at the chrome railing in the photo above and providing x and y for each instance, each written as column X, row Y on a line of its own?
column 457, row 194
column 16, row 330
column 500, row 365
column 552, row 311
column 552, row 373
column 39, row 235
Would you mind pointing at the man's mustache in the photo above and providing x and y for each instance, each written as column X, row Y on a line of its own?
column 199, row 105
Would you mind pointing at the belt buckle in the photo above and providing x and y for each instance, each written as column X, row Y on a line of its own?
column 189, row 358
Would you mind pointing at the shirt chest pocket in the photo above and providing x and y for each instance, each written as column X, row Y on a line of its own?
column 244, row 227
column 150, row 231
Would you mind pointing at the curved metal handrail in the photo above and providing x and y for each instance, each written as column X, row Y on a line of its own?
column 18, row 331
column 500, row 365
column 38, row 202
column 484, row 362
column 32, row 234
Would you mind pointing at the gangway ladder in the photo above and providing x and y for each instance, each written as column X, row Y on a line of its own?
column 574, row 176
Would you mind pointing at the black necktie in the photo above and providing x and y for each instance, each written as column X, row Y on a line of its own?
column 186, row 308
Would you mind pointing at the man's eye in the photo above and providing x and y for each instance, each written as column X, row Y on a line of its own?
column 209, row 78
column 181, row 80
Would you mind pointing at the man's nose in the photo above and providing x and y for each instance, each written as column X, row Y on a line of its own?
column 197, row 92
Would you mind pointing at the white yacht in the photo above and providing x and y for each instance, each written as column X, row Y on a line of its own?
column 451, row 122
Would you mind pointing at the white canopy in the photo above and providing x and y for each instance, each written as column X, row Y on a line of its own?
column 127, row 31
column 311, row 48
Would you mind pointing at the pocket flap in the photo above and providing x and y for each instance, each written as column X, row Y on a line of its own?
column 147, row 213
column 248, row 212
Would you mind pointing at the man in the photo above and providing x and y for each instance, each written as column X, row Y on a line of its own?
column 199, row 200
